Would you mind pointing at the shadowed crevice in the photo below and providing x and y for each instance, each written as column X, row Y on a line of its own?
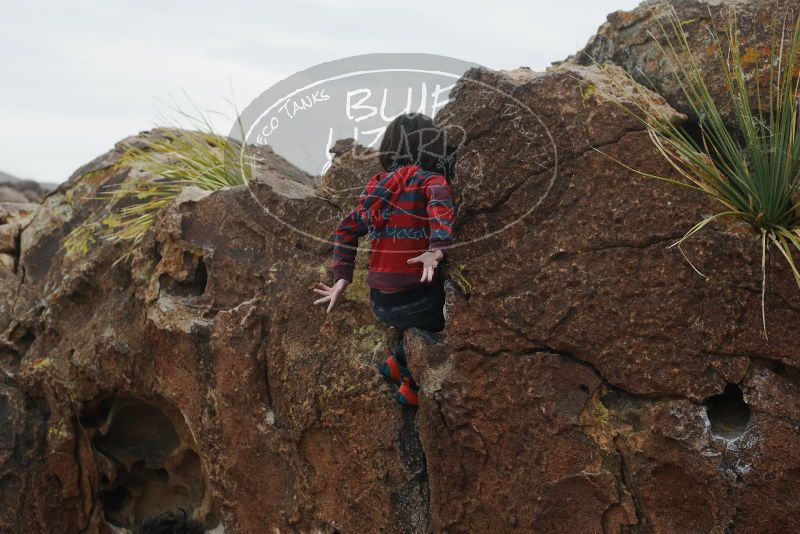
column 411, row 501
column 147, row 465
column 194, row 285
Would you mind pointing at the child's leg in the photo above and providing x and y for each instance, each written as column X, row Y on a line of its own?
column 395, row 367
column 399, row 354
column 394, row 340
column 407, row 393
column 425, row 313
column 430, row 317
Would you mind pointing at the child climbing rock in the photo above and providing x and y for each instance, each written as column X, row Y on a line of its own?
column 407, row 213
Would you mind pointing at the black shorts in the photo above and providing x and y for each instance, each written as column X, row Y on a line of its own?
column 421, row 307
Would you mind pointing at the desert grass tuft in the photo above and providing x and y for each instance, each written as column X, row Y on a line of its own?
column 173, row 157
column 751, row 169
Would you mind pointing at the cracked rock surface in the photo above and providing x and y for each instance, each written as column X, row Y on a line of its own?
column 588, row 380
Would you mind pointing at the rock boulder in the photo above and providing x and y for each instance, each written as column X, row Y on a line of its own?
column 588, row 379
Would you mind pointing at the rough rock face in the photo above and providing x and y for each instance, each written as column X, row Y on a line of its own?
column 198, row 376
column 589, row 380
column 626, row 39
column 569, row 393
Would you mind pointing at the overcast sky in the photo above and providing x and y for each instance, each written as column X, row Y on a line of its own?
column 77, row 76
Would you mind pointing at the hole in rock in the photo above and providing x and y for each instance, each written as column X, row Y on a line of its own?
column 114, row 501
column 154, row 469
column 95, row 413
column 728, row 412
column 195, row 283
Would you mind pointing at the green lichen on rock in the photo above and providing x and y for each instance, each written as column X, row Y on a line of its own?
column 358, row 291
column 368, row 336
column 41, row 363
column 80, row 239
column 587, row 90
column 57, row 432
column 148, row 267
column 458, row 275
column 600, row 411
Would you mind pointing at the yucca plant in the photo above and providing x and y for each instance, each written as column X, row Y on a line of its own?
column 174, row 157
column 751, row 170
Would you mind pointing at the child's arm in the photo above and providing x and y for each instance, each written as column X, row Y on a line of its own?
column 345, row 248
column 441, row 212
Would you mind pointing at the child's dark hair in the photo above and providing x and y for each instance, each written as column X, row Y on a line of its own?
column 412, row 138
column 170, row 523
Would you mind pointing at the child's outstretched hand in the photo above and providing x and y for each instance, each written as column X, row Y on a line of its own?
column 429, row 261
column 331, row 294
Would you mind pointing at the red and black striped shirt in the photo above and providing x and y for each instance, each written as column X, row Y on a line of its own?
column 404, row 213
